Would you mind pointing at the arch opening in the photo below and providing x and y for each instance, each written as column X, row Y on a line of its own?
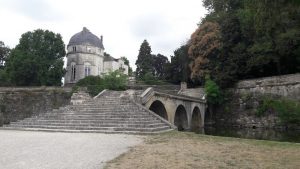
column 159, row 108
column 196, row 120
column 181, row 120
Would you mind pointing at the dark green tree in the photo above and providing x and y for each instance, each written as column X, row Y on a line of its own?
column 160, row 63
column 37, row 59
column 144, row 61
column 178, row 69
column 4, row 53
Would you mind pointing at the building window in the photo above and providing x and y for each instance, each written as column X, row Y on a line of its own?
column 73, row 72
column 74, row 48
column 87, row 70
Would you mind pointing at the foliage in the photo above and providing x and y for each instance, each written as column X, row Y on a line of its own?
column 204, row 46
column 246, row 39
column 288, row 110
column 37, row 60
column 115, row 80
column 159, row 65
column 145, row 60
column 213, row 92
column 149, row 79
column 90, row 80
column 95, row 84
column 178, row 69
column 4, row 53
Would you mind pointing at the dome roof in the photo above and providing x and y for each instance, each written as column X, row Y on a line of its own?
column 86, row 37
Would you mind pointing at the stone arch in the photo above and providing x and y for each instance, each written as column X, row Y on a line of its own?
column 181, row 119
column 196, row 123
column 159, row 108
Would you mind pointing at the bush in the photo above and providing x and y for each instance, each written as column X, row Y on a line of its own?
column 149, row 79
column 213, row 92
column 95, row 84
column 288, row 110
column 115, row 80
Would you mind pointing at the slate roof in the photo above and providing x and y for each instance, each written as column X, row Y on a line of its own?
column 86, row 37
column 109, row 58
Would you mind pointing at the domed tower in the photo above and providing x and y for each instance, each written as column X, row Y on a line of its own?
column 85, row 53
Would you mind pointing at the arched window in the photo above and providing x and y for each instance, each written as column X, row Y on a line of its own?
column 87, row 69
column 74, row 48
column 73, row 71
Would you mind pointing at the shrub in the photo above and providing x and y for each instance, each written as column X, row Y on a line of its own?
column 149, row 79
column 115, row 80
column 288, row 110
column 213, row 92
column 95, row 84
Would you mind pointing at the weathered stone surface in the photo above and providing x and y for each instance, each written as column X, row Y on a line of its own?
column 286, row 85
column 243, row 101
column 19, row 103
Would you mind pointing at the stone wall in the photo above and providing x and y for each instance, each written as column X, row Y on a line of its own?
column 242, row 102
column 286, row 86
column 19, row 103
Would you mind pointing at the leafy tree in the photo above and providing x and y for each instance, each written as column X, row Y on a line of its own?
column 213, row 94
column 204, row 47
column 145, row 60
column 159, row 65
column 37, row 59
column 115, row 80
column 4, row 53
column 178, row 69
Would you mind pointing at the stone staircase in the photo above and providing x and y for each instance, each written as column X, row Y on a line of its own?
column 108, row 113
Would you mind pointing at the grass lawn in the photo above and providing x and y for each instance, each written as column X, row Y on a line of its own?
column 183, row 150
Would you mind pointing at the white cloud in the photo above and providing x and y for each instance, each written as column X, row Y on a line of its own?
column 124, row 24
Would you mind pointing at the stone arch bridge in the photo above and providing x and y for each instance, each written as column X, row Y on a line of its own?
column 186, row 113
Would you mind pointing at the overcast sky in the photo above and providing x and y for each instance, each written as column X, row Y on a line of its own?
column 124, row 24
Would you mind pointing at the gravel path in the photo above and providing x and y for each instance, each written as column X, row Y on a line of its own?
column 46, row 150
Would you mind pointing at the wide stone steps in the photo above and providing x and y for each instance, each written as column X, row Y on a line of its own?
column 91, row 124
column 122, row 128
column 108, row 113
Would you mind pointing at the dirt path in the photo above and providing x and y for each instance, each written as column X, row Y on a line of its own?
column 177, row 150
column 42, row 150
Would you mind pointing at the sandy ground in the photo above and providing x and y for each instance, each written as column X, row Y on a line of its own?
column 177, row 150
column 45, row 150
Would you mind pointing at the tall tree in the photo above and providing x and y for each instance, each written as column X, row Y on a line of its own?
column 160, row 63
column 205, row 44
column 37, row 59
column 4, row 53
column 145, row 60
column 178, row 69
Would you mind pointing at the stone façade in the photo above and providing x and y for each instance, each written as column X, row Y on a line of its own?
column 85, row 57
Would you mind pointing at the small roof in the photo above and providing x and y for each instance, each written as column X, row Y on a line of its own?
column 108, row 58
column 85, row 37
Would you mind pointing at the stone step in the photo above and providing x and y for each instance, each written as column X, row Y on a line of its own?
column 108, row 113
column 108, row 121
column 90, row 124
column 95, row 128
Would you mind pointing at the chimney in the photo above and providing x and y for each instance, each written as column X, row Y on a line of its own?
column 101, row 38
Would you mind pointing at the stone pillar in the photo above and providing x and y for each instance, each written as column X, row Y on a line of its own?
column 183, row 86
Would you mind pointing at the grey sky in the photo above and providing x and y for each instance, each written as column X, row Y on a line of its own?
column 123, row 23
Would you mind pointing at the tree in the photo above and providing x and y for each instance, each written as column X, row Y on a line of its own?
column 178, row 69
column 126, row 62
column 37, row 59
column 204, row 47
column 159, row 65
column 4, row 53
column 145, row 60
